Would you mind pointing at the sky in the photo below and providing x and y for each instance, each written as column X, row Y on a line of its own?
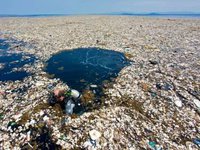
column 27, row 7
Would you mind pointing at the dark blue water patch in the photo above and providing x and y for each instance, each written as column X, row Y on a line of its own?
column 83, row 67
column 3, row 44
column 10, row 61
column 12, row 76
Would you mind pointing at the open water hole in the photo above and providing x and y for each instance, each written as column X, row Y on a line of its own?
column 86, row 70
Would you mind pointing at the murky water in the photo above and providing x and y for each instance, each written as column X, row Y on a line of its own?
column 11, row 64
column 86, row 67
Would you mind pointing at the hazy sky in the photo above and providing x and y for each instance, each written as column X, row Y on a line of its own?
column 96, row 6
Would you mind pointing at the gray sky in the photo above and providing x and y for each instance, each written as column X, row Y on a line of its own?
column 96, row 6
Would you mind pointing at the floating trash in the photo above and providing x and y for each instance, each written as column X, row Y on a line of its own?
column 12, row 125
column 69, row 107
column 178, row 103
column 94, row 139
column 154, row 146
column 197, row 142
column 94, row 134
column 197, row 103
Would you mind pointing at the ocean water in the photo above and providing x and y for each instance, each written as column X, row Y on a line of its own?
column 167, row 16
column 155, row 15
column 3, row 44
column 83, row 67
column 86, row 70
column 10, row 62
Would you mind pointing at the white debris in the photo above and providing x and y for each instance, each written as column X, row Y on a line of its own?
column 93, row 86
column 39, row 83
column 41, row 113
column 94, row 134
column 17, row 117
column 197, row 103
column 32, row 122
column 178, row 103
column 45, row 118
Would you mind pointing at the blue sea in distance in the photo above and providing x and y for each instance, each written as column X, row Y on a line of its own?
column 34, row 15
column 154, row 15
column 186, row 16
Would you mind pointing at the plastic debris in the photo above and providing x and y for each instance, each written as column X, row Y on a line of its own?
column 64, row 121
column 63, row 137
column 153, row 62
column 167, row 87
column 178, row 103
column 90, row 144
column 75, row 94
column 197, row 142
column 41, row 113
column 28, row 136
column 39, row 83
column 94, row 143
column 17, row 117
column 69, row 107
column 12, row 125
column 94, row 134
column 50, row 87
column 197, row 103
column 32, row 122
column 87, row 144
column 154, row 146
column 1, row 116
column 93, row 86
column 153, row 94
column 45, row 118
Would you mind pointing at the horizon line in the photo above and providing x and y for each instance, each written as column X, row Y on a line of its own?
column 111, row 13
